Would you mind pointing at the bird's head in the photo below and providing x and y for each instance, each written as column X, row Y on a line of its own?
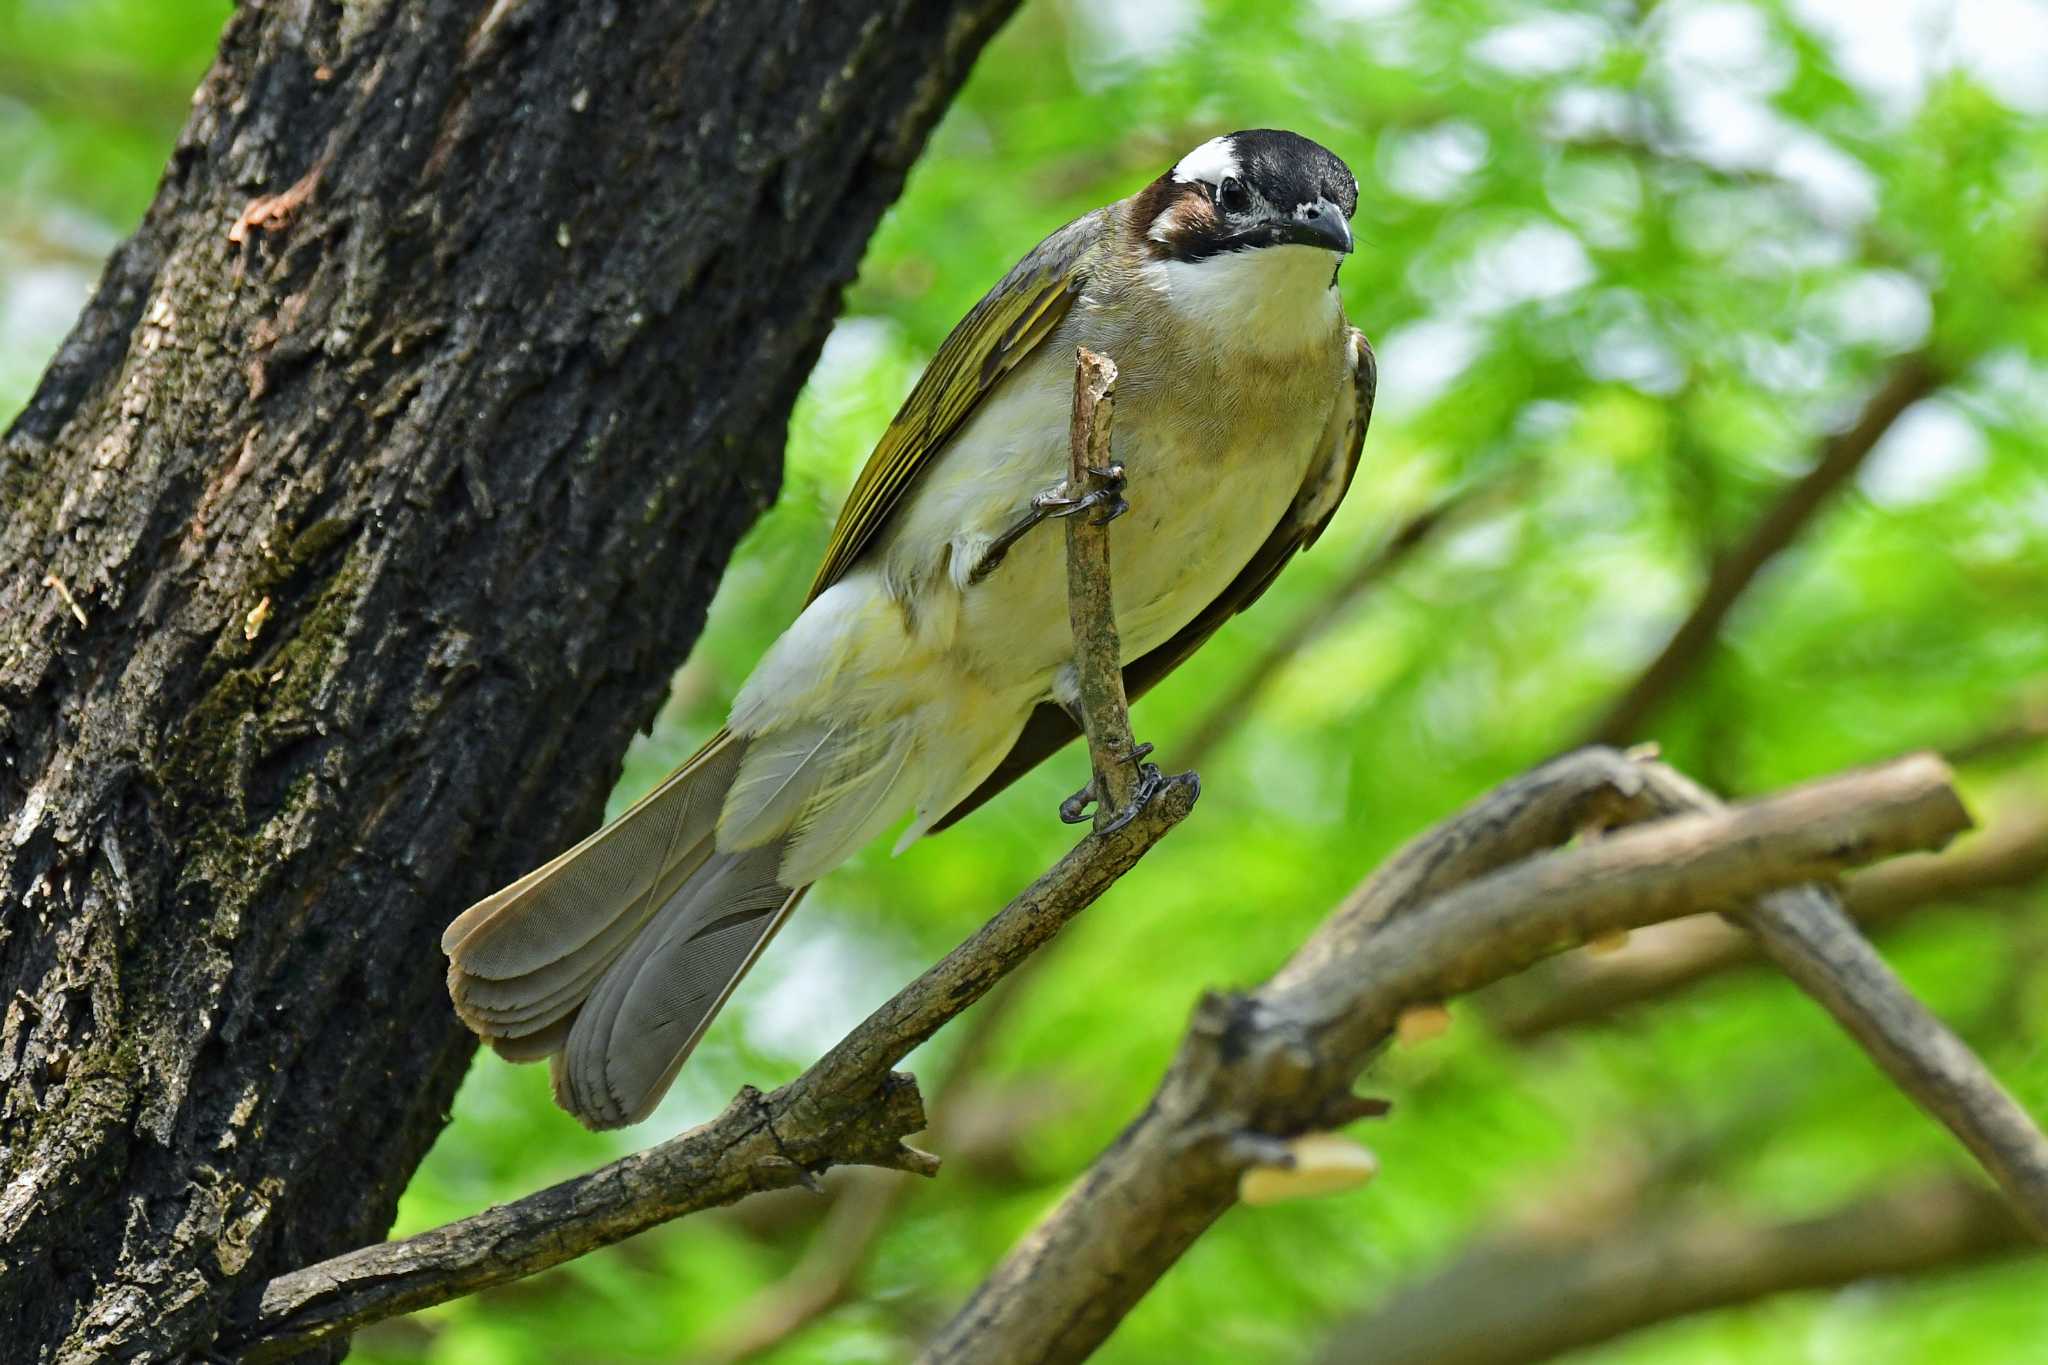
column 1248, row 192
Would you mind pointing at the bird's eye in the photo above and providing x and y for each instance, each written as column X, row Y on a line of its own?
column 1231, row 196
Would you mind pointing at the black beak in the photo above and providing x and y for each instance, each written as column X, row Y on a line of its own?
column 1319, row 224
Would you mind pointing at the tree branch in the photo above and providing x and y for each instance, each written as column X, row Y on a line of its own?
column 1576, row 987
column 1098, row 657
column 1840, row 457
column 1805, row 931
column 1255, row 1070
column 849, row 1108
column 861, row 1212
column 1529, row 1297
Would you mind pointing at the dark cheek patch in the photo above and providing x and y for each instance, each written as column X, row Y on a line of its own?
column 1196, row 215
column 1186, row 221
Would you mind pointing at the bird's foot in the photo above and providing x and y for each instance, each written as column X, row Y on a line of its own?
column 1058, row 502
column 1055, row 502
column 1074, row 810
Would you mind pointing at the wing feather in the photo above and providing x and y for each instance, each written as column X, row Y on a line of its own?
column 1008, row 324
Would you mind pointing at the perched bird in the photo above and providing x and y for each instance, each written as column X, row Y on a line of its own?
column 932, row 662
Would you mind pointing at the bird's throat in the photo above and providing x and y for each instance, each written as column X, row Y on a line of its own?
column 1272, row 299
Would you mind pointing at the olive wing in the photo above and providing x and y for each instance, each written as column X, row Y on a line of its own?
column 1008, row 324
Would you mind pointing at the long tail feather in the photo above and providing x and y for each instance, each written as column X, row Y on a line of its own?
column 566, row 903
column 655, row 1001
column 614, row 958
column 522, row 960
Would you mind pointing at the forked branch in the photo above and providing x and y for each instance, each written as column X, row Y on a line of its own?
column 1579, row 987
column 1463, row 905
column 1804, row 930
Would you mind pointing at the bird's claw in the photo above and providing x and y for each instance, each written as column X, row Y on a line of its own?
column 1055, row 502
column 1112, row 508
column 1111, row 495
column 1074, row 810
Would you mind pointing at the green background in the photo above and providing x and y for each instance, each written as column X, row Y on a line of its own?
column 1626, row 268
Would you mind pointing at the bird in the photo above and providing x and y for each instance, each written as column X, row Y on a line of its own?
column 932, row 662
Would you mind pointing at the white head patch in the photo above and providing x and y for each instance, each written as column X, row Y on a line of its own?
column 1210, row 162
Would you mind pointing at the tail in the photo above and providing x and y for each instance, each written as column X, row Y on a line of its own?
column 614, row 957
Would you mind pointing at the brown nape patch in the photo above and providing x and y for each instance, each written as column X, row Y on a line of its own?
column 1178, row 212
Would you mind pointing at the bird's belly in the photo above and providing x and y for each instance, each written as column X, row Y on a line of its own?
column 1196, row 518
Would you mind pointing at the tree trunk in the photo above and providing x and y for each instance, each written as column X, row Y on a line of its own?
column 352, row 534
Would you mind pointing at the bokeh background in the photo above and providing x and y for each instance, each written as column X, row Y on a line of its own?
column 1630, row 269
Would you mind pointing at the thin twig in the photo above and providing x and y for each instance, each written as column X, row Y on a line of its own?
column 1098, row 657
column 1913, row 379
column 2026, row 729
column 1527, row 1297
column 1577, row 987
column 1805, row 931
column 862, row 1212
column 849, row 1108
column 1229, row 711
column 1452, row 912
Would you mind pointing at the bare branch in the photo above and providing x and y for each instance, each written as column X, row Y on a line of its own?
column 2027, row 728
column 862, row 1210
column 850, row 1108
column 1260, row 1068
column 1805, row 931
column 1839, row 458
column 1576, row 987
column 1098, row 657
column 1229, row 711
column 1528, row 1297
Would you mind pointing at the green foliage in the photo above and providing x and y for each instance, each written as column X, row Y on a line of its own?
column 1626, row 273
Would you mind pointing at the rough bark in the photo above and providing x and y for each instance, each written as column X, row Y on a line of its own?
column 351, row 535
column 1581, row 987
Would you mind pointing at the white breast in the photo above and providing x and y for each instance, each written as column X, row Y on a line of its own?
column 1228, row 377
column 1218, row 417
column 1274, row 299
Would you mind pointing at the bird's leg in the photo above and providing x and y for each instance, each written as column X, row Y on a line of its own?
column 1056, row 502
